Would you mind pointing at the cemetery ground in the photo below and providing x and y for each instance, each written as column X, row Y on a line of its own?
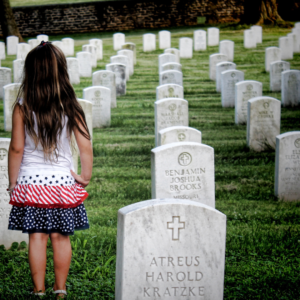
column 263, row 234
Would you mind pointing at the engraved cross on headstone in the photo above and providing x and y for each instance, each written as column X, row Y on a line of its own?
column 175, row 225
column 184, row 158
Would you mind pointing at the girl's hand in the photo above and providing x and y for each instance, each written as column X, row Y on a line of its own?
column 79, row 179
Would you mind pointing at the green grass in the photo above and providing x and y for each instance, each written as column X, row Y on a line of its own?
column 14, row 3
column 263, row 242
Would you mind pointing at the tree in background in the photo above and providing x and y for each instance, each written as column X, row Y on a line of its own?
column 8, row 22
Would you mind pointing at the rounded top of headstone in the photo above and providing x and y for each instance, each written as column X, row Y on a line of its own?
column 83, row 53
column 226, row 41
column 118, row 56
column 170, row 99
column 232, row 72
column 2, row 139
column 84, row 101
column 200, row 30
column 5, row 69
column 180, row 144
column 296, row 72
column 96, row 87
column 280, row 62
column 226, row 63
column 218, row 54
column 213, row 28
column 186, row 38
column 249, row 84
column 116, row 64
column 291, row 134
column 67, row 39
column 264, row 98
column 168, row 129
column 169, row 85
column 103, row 72
column 170, row 71
column 12, row 85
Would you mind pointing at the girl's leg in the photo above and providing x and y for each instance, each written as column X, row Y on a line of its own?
column 37, row 259
column 62, row 254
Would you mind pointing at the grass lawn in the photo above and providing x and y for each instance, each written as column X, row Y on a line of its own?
column 263, row 241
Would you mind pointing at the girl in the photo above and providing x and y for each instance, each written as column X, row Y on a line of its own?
column 47, row 196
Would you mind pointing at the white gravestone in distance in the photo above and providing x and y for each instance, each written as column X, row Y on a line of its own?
column 92, row 49
column 129, row 55
column 10, row 94
column 290, row 88
column 170, row 112
column 100, row 97
column 170, row 77
column 177, row 248
column 286, row 47
column 7, row 237
column 214, row 59
column 174, row 51
column 220, row 68
column 297, row 25
column 272, row 54
column 164, row 37
column 33, row 43
column 2, row 51
column 244, row 91
column 294, row 37
column 68, row 46
column 107, row 79
column 58, row 44
column 165, row 58
column 22, row 50
column 172, row 66
column 11, row 44
column 287, row 166
column 149, row 42
column 99, row 47
column 276, row 68
column 132, row 47
column 120, row 76
column 85, row 67
column 178, row 134
column 183, row 171
column 257, row 33
column 213, row 36
column 87, row 107
column 5, row 78
column 18, row 69
column 186, row 47
column 73, row 70
column 121, row 59
column 263, row 123
column 228, row 80
column 199, row 40
column 118, row 40
column 169, row 91
column 42, row 37
column 297, row 32
column 249, row 39
column 227, row 48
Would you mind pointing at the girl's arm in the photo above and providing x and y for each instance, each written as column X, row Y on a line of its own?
column 86, row 158
column 16, row 147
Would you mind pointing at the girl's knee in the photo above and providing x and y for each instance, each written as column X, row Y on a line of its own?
column 58, row 237
column 38, row 236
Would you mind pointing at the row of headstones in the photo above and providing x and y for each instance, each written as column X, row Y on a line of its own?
column 291, row 43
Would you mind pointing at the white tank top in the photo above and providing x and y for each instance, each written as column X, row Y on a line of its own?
column 34, row 163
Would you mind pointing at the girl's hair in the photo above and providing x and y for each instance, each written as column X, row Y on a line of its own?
column 46, row 90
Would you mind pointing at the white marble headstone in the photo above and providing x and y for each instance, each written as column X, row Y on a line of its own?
column 178, row 134
column 22, row 50
column 84, row 60
column 33, row 43
column 229, row 79
column 290, row 88
column 170, row 112
column 68, row 46
column 120, row 76
column 149, row 42
column 132, row 47
column 199, row 40
column 258, row 33
column 184, row 170
column 129, row 55
column 297, row 25
column 10, row 94
column 5, row 78
column 297, row 32
column 272, row 54
column 169, row 91
column 227, row 47
column 118, row 40
column 244, row 91
column 7, row 237
column 286, row 47
column 276, row 68
column 164, row 39
column 58, row 44
column 100, row 97
column 287, row 166
column 121, row 59
column 294, row 37
column 99, row 47
column 11, row 44
column 213, row 36
column 73, row 70
column 18, row 69
column 42, row 37
column 263, row 123
column 92, row 49
column 249, row 39
column 170, row 77
column 214, row 59
column 165, row 58
column 174, row 51
column 186, row 47
column 172, row 66
column 107, row 79
column 220, row 68
column 87, row 107
column 2, row 51
column 170, row 249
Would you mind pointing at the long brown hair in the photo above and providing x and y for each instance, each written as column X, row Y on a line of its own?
column 46, row 90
